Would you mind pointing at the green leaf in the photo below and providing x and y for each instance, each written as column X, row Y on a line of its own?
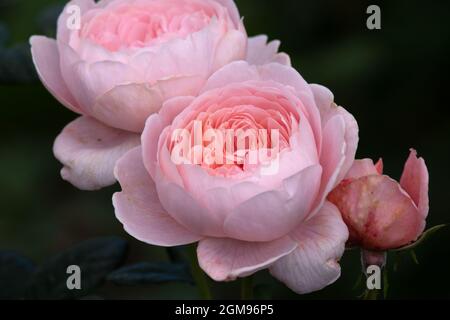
column 358, row 282
column 15, row 272
column 414, row 257
column 151, row 273
column 96, row 259
column 426, row 235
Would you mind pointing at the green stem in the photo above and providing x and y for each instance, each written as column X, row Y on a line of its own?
column 247, row 288
column 199, row 276
column 371, row 295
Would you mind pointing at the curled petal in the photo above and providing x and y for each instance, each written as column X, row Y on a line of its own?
column 228, row 259
column 138, row 208
column 314, row 264
column 362, row 168
column 89, row 151
column 46, row 59
column 249, row 221
column 127, row 106
column 328, row 110
column 415, row 182
column 260, row 52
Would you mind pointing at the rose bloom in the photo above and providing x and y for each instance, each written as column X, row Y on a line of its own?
column 245, row 220
column 124, row 61
column 381, row 213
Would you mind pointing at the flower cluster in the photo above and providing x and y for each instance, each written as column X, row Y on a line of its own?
column 215, row 138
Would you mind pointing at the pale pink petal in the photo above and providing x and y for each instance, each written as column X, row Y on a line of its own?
column 89, row 151
column 138, row 208
column 289, row 77
column 154, row 127
column 332, row 159
column 362, row 168
column 150, row 140
column 173, row 107
column 249, row 221
column 228, row 259
column 89, row 81
column 235, row 72
column 260, row 52
column 415, row 182
column 46, row 60
column 230, row 48
column 280, row 76
column 127, row 107
column 232, row 10
column 314, row 264
column 186, row 210
column 328, row 110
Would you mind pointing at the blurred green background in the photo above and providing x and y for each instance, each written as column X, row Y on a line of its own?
column 394, row 80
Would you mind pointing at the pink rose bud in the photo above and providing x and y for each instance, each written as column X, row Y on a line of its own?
column 381, row 213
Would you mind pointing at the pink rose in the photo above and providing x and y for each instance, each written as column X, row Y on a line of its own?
column 245, row 219
column 123, row 60
column 380, row 213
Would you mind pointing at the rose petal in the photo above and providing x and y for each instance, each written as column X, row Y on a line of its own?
column 138, row 207
column 314, row 264
column 260, row 52
column 228, row 259
column 89, row 151
column 362, row 168
column 46, row 59
column 333, row 159
column 249, row 221
column 127, row 107
column 328, row 109
column 232, row 10
column 415, row 182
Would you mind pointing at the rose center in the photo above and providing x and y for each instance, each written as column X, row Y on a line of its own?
column 137, row 26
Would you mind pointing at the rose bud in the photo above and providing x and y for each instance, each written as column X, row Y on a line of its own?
column 381, row 213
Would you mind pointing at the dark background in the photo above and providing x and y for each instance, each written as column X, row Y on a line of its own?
column 394, row 80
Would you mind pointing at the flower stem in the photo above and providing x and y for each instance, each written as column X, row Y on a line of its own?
column 370, row 295
column 200, row 278
column 247, row 288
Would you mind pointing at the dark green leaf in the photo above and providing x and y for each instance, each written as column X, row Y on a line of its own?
column 414, row 257
column 15, row 272
column 427, row 234
column 151, row 273
column 96, row 259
